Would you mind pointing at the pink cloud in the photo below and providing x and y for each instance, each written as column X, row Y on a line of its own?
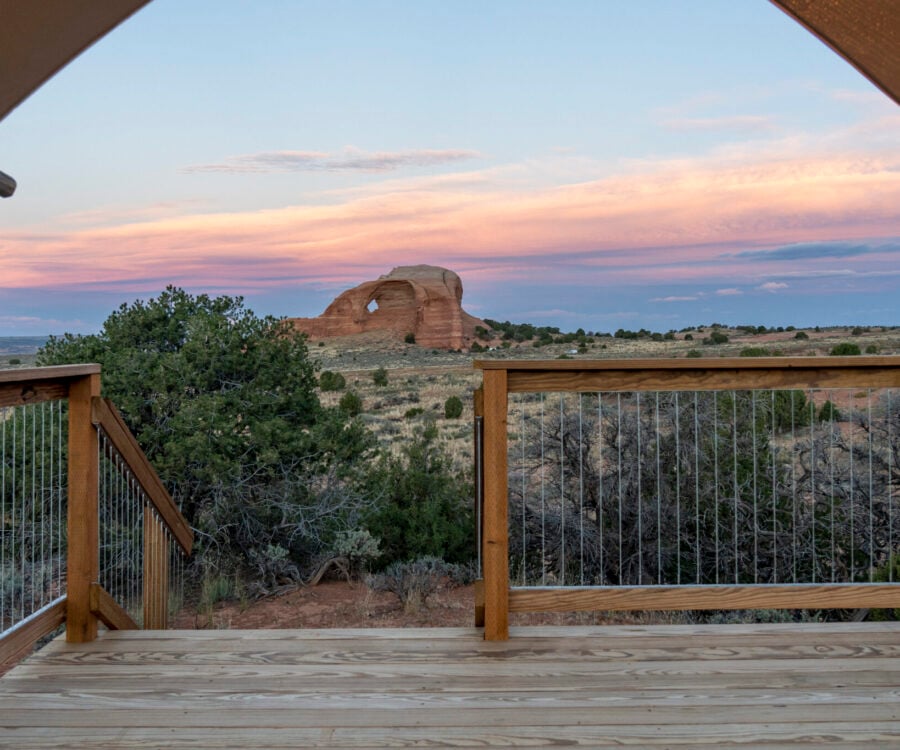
column 667, row 221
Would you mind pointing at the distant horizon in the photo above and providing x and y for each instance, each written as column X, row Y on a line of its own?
column 582, row 165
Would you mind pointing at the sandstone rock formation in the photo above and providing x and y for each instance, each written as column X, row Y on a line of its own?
column 423, row 300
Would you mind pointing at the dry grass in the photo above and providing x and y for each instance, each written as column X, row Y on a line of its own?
column 421, row 378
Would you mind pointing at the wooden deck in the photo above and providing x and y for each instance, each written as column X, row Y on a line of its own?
column 773, row 686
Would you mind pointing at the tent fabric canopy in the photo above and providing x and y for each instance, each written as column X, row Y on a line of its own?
column 39, row 37
column 866, row 33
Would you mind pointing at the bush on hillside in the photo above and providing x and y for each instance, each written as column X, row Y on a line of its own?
column 332, row 381
column 224, row 404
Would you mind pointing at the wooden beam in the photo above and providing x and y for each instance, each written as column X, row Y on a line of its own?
column 35, row 384
column 717, row 363
column 83, row 524
column 741, row 373
column 799, row 596
column 55, row 372
column 105, row 415
column 108, row 610
column 18, row 641
column 495, row 555
column 156, row 574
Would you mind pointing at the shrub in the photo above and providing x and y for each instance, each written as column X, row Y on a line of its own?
column 380, row 377
column 845, row 349
column 358, row 547
column 828, row 413
column 715, row 338
column 410, row 338
column 871, row 349
column 332, row 381
column 15, row 361
column 422, row 503
column 413, row 582
column 413, row 412
column 453, row 407
column 755, row 351
column 225, row 405
column 857, row 331
column 693, row 354
column 801, row 336
column 688, row 337
column 351, row 404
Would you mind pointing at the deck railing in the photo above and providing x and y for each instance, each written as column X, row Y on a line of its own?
column 687, row 484
column 88, row 533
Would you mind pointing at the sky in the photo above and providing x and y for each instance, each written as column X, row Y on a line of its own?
column 594, row 164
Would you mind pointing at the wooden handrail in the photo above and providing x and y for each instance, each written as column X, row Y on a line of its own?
column 35, row 384
column 735, row 373
column 502, row 377
column 105, row 415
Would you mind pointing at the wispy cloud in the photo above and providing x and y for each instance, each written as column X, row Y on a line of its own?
column 730, row 292
column 348, row 160
column 772, row 286
column 675, row 299
column 703, row 222
column 815, row 250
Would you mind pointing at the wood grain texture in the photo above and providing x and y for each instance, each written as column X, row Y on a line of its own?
column 20, row 639
column 56, row 372
column 805, row 596
column 697, row 374
column 784, row 685
column 108, row 610
column 156, row 574
column 495, row 554
column 83, row 523
column 106, row 416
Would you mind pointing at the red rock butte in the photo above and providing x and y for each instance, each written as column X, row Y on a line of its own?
column 425, row 301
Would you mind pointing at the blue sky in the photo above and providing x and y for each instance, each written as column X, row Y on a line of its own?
column 581, row 164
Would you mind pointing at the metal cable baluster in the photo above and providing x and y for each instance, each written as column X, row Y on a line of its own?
column 562, row 491
column 581, row 487
column 871, row 489
column 619, row 474
column 831, row 464
column 640, row 505
column 543, row 503
column 716, row 474
column 658, row 499
column 678, row 488
column 734, row 479
column 600, row 479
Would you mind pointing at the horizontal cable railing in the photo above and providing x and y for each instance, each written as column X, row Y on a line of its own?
column 715, row 484
column 88, row 534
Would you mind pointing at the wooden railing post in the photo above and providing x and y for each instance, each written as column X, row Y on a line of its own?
column 156, row 573
column 83, row 567
column 495, row 554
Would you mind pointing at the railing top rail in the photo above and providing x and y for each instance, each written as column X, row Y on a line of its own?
column 35, row 384
column 56, row 372
column 736, row 373
column 712, row 363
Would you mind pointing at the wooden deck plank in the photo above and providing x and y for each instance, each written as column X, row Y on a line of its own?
column 768, row 737
column 667, row 686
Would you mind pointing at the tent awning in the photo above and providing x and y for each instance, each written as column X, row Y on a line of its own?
column 38, row 38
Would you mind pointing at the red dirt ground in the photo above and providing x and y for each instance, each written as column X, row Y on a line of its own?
column 338, row 604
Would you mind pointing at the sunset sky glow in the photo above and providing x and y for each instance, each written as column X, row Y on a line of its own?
column 578, row 164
